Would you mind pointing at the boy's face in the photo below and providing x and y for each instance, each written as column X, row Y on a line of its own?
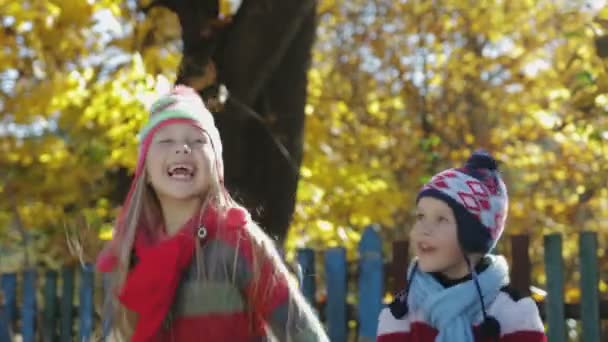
column 434, row 239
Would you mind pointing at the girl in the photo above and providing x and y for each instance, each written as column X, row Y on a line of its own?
column 187, row 262
column 457, row 291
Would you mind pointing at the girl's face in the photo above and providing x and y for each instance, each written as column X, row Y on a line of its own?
column 434, row 239
column 178, row 162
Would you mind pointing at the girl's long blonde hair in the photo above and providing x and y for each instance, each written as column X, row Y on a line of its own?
column 143, row 211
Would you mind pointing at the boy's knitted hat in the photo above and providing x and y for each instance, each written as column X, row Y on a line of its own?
column 478, row 198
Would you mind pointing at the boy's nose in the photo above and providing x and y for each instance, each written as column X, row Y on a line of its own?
column 423, row 228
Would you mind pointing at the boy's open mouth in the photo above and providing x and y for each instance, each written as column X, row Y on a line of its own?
column 425, row 248
column 181, row 171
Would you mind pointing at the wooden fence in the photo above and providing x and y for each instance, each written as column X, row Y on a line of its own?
column 374, row 276
column 58, row 319
column 55, row 321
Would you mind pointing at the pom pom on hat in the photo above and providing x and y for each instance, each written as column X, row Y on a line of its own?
column 481, row 160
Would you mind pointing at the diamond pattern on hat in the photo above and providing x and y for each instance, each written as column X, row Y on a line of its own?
column 486, row 200
column 498, row 223
column 469, row 201
column 492, row 186
column 441, row 184
column 485, row 204
column 477, row 188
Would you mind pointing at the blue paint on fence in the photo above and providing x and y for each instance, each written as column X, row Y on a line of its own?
column 554, row 269
column 5, row 334
column 49, row 323
column 371, row 277
column 306, row 260
column 85, row 313
column 65, row 331
column 107, row 306
column 9, row 289
column 335, row 273
column 28, row 310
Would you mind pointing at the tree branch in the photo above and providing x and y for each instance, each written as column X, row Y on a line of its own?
column 244, row 109
column 306, row 6
column 18, row 225
column 158, row 3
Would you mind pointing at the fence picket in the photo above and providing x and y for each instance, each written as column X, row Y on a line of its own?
column 28, row 309
column 87, row 283
column 554, row 269
column 306, row 260
column 49, row 323
column 67, row 297
column 590, row 301
column 9, row 290
column 5, row 331
column 335, row 273
column 370, row 283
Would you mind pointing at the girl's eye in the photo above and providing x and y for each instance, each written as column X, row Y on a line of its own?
column 166, row 141
column 442, row 219
column 198, row 140
column 419, row 217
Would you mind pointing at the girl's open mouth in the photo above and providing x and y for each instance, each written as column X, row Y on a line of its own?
column 182, row 172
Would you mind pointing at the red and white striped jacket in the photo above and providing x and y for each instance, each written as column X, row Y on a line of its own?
column 519, row 322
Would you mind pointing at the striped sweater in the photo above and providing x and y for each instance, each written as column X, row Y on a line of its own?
column 518, row 317
column 219, row 300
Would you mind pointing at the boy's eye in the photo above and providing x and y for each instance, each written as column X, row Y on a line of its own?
column 442, row 219
column 419, row 216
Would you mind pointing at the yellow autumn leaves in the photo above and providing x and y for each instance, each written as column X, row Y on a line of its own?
column 400, row 90
column 71, row 97
column 397, row 91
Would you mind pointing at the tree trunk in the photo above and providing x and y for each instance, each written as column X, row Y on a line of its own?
column 261, row 58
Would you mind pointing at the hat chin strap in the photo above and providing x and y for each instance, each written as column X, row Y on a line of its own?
column 490, row 327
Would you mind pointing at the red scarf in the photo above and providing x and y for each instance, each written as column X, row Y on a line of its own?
column 150, row 287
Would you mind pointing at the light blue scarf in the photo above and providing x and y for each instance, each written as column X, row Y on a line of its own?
column 453, row 310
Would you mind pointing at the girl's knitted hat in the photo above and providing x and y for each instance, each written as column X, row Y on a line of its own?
column 182, row 104
column 478, row 198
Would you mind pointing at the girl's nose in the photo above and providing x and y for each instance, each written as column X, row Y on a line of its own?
column 185, row 149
